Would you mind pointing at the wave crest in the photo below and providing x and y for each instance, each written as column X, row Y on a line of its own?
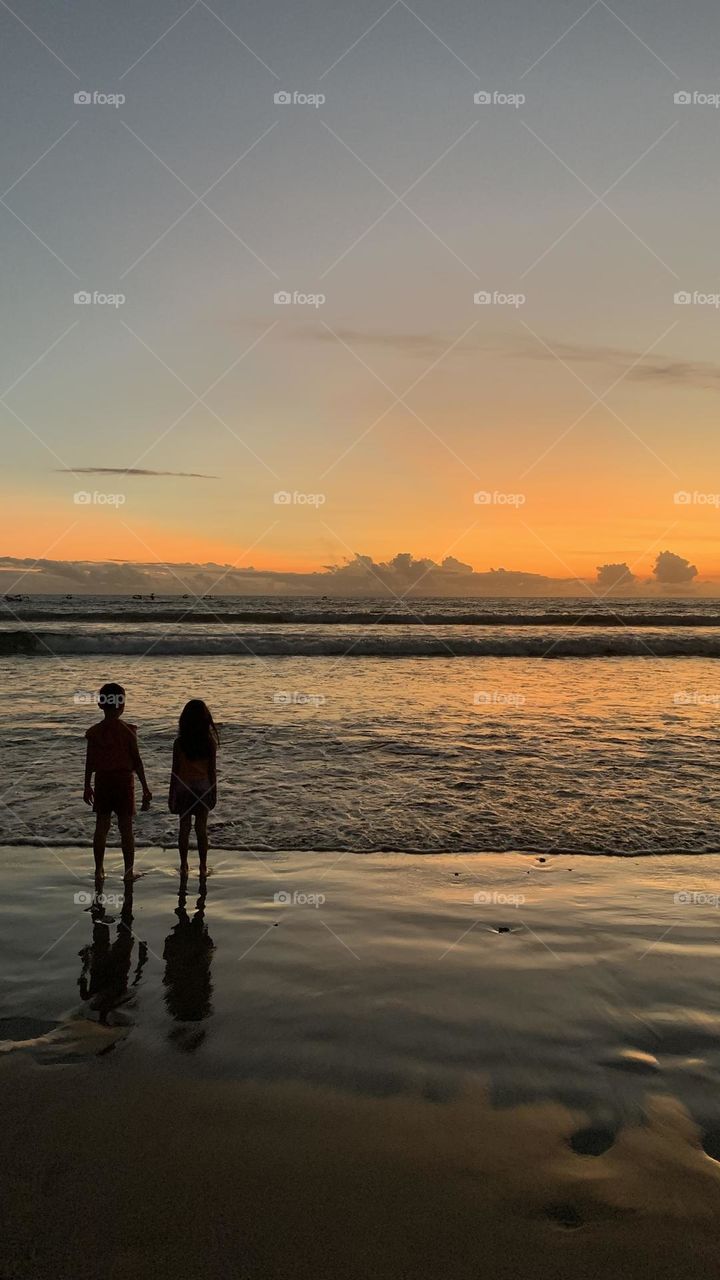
column 620, row 643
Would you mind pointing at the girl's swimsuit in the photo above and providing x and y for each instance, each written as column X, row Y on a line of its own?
column 191, row 786
column 192, row 794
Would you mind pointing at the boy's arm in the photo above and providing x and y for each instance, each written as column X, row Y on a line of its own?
column 139, row 769
column 88, row 795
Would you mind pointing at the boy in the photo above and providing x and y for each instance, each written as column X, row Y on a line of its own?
column 113, row 756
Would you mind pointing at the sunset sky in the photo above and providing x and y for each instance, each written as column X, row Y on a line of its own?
column 383, row 410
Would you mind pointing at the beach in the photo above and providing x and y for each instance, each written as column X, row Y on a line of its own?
column 359, row 642
column 394, row 1065
column 447, row 1003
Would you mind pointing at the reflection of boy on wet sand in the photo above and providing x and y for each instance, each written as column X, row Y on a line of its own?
column 188, row 957
column 105, row 970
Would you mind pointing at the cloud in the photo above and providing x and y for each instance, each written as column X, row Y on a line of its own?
column 634, row 365
column 614, row 575
column 426, row 345
column 132, row 471
column 404, row 573
column 359, row 577
column 670, row 568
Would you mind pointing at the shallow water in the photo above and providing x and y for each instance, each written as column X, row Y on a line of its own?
column 414, row 754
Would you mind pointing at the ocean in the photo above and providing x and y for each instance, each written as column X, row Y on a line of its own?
column 425, row 726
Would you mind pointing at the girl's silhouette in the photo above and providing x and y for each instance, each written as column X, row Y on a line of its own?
column 193, row 785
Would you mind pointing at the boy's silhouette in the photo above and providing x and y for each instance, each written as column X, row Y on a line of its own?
column 114, row 758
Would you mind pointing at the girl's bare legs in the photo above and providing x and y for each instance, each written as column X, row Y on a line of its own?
column 184, row 841
column 201, row 836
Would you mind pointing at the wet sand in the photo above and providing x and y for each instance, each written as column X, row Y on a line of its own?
column 127, row 1174
column 398, row 1081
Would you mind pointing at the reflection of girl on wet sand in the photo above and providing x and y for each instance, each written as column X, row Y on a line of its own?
column 188, row 957
column 105, row 970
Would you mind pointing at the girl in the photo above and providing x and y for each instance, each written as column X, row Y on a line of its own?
column 193, row 785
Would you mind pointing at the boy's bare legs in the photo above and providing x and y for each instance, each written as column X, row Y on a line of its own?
column 184, row 841
column 127, row 840
column 102, row 827
column 201, row 836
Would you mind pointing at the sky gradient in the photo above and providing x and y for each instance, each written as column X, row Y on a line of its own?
column 383, row 410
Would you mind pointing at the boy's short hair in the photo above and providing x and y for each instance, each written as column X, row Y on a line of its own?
column 111, row 695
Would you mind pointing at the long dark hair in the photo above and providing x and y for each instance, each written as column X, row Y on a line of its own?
column 198, row 736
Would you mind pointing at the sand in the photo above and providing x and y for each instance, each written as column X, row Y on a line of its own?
column 396, row 1089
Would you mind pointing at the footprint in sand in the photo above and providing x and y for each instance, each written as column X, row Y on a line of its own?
column 711, row 1144
column 593, row 1141
column 565, row 1216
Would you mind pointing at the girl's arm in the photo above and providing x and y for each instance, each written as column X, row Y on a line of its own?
column 212, row 773
column 172, row 793
column 88, row 795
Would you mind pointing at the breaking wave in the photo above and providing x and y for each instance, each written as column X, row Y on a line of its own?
column 596, row 643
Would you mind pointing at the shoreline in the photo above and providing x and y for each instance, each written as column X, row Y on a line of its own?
column 379, row 852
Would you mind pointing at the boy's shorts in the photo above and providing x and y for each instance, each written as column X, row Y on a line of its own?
column 114, row 793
